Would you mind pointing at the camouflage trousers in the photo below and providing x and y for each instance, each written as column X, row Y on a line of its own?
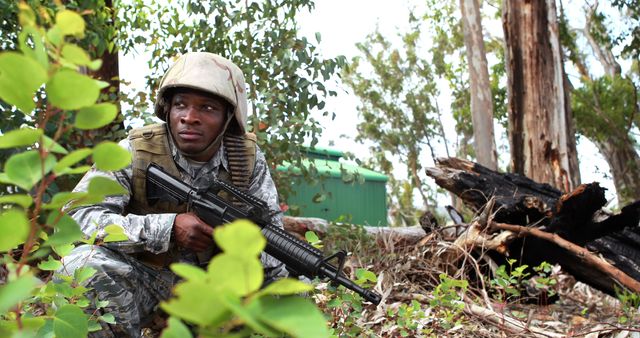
column 132, row 288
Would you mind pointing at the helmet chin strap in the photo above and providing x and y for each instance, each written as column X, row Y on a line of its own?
column 212, row 147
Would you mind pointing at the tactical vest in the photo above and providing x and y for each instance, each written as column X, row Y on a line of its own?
column 151, row 144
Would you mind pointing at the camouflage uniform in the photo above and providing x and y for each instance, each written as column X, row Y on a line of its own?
column 133, row 288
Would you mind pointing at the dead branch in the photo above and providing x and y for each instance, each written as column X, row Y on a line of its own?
column 583, row 254
column 576, row 217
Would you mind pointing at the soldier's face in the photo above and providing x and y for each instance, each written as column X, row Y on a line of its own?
column 196, row 119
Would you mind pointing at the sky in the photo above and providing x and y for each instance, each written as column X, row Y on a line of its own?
column 341, row 30
column 342, row 24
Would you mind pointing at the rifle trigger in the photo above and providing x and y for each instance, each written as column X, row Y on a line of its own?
column 193, row 194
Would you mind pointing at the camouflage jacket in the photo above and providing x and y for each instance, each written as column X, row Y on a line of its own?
column 152, row 232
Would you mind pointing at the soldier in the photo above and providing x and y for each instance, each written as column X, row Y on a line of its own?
column 203, row 101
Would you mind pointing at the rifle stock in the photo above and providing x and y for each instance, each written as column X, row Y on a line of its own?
column 297, row 255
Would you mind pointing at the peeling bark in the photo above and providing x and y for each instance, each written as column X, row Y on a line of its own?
column 539, row 134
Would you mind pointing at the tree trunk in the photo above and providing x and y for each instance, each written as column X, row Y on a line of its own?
column 618, row 149
column 109, row 72
column 625, row 166
column 572, row 152
column 481, row 98
column 539, row 134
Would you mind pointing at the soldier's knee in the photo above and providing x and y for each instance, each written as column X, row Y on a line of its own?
column 107, row 263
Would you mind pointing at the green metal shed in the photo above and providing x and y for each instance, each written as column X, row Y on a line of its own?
column 365, row 202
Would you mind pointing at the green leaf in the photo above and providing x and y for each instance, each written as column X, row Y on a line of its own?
column 14, row 229
column 63, row 289
column 250, row 317
column 28, row 329
column 311, row 237
column 38, row 52
column 62, row 198
column 54, row 35
column 70, row 322
column 77, row 170
column 20, row 77
column 239, row 274
column 115, row 233
column 240, row 238
column 96, row 116
column 366, row 275
column 53, row 146
column 83, row 273
column 286, row 286
column 65, row 229
column 26, row 16
column 196, row 302
column 25, row 170
column 188, row 271
column 92, row 239
column 16, row 291
column 298, row 317
column 20, row 137
column 63, row 250
column 70, row 23
column 83, row 302
column 102, row 84
column 110, row 156
column 105, row 187
column 95, row 64
column 94, row 325
column 70, row 90
column 74, row 157
column 108, row 318
column 176, row 329
column 50, row 264
column 46, row 331
column 22, row 200
column 75, row 54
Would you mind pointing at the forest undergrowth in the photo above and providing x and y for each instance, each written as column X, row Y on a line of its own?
column 425, row 295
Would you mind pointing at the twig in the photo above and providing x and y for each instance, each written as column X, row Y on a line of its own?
column 483, row 290
column 611, row 327
column 507, row 323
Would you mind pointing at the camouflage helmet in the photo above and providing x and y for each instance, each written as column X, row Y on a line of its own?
column 210, row 73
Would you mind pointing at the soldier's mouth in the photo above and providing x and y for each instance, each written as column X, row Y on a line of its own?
column 189, row 135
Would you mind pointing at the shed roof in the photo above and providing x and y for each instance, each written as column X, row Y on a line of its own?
column 332, row 169
column 323, row 153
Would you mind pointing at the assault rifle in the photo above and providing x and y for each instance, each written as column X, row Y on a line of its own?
column 297, row 255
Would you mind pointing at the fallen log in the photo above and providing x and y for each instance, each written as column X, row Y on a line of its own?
column 577, row 218
column 404, row 235
column 518, row 199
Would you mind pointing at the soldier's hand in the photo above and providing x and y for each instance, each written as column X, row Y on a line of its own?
column 191, row 232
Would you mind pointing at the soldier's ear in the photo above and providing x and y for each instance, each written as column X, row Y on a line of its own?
column 165, row 102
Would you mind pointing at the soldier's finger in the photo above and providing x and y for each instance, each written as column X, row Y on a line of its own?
column 201, row 246
column 205, row 230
